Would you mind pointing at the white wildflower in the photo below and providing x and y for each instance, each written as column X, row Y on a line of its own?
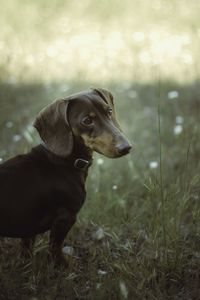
column 153, row 165
column 173, row 94
column 9, row 124
column 1, row 159
column 178, row 129
column 102, row 272
column 17, row 138
column 114, row 187
column 67, row 250
column 179, row 120
column 100, row 161
column 99, row 234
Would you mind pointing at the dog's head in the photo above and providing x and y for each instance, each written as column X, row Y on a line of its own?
column 88, row 118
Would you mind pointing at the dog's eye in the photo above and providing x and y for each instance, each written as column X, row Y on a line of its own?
column 87, row 121
column 109, row 112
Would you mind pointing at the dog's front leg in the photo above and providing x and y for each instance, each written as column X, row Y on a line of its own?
column 59, row 230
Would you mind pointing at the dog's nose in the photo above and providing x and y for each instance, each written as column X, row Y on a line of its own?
column 123, row 148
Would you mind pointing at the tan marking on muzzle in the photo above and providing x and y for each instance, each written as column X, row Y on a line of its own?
column 103, row 143
column 88, row 141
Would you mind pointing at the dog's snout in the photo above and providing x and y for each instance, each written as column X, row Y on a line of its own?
column 123, row 148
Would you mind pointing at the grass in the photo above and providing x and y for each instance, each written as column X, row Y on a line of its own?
column 137, row 236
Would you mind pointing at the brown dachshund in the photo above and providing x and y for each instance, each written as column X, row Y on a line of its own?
column 45, row 189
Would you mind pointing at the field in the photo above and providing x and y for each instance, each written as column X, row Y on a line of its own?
column 138, row 234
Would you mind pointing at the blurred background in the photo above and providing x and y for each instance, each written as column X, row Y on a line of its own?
column 138, row 233
column 99, row 41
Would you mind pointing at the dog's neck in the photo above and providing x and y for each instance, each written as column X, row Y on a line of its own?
column 80, row 157
column 80, row 150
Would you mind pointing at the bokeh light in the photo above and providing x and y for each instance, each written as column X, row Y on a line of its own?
column 106, row 41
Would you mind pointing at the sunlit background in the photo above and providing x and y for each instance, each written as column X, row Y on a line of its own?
column 137, row 235
column 99, row 41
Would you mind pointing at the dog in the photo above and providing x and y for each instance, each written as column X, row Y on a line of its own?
column 45, row 188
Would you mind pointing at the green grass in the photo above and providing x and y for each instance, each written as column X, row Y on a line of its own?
column 150, row 217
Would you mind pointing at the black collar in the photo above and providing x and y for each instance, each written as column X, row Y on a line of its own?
column 82, row 164
column 79, row 163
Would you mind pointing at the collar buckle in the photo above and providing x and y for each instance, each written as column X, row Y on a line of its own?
column 81, row 163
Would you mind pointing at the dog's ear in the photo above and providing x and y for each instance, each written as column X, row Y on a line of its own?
column 54, row 129
column 108, row 98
